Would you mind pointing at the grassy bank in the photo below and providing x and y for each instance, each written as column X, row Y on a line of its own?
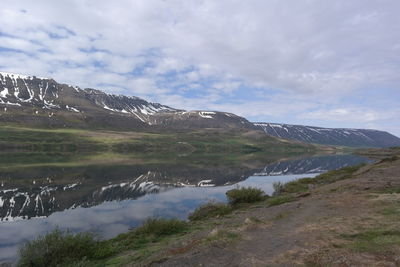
column 71, row 147
column 207, row 140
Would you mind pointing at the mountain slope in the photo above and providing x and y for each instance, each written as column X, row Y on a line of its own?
column 39, row 101
column 330, row 136
column 42, row 102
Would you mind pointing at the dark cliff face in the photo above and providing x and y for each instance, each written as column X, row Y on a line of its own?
column 330, row 136
column 44, row 102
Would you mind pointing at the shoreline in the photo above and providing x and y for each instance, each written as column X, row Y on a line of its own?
column 247, row 225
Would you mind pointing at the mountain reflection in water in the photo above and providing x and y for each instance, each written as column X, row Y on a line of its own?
column 113, row 199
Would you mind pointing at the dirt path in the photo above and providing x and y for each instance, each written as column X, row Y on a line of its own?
column 352, row 222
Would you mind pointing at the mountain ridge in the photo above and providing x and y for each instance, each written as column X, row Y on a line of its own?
column 63, row 105
column 330, row 136
column 43, row 102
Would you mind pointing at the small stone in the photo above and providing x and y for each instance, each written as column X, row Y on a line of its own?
column 214, row 232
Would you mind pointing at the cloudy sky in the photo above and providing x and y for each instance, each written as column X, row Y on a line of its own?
column 325, row 63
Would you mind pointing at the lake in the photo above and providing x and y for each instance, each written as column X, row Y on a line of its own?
column 112, row 198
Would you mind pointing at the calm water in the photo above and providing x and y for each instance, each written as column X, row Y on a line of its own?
column 112, row 199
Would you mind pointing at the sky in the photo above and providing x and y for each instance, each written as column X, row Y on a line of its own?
column 322, row 63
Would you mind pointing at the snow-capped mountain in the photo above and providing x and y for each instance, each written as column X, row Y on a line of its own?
column 330, row 136
column 42, row 101
column 35, row 101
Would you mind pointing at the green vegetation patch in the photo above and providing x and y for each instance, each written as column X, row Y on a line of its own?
column 278, row 200
column 336, row 175
column 390, row 159
column 61, row 248
column 245, row 195
column 303, row 184
column 389, row 190
column 44, row 140
column 161, row 227
column 210, row 210
column 376, row 240
column 152, row 230
column 296, row 186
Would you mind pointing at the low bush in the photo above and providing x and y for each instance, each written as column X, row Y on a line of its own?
column 210, row 210
column 278, row 188
column 278, row 200
column 60, row 248
column 337, row 175
column 161, row 227
column 245, row 195
column 297, row 186
column 302, row 185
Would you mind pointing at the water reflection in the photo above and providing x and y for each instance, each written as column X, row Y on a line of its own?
column 110, row 200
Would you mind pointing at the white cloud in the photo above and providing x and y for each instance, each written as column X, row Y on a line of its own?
column 321, row 51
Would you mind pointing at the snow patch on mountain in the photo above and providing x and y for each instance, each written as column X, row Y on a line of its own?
column 330, row 136
column 206, row 114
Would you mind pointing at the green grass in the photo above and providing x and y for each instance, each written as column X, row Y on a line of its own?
column 278, row 200
column 393, row 211
column 161, row 227
column 389, row 190
column 44, row 140
column 61, row 248
column 296, row 186
column 336, row 175
column 152, row 230
column 245, row 195
column 207, row 141
column 210, row 210
column 302, row 185
column 24, row 146
column 375, row 240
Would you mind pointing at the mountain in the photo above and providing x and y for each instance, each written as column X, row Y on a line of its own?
column 36, row 101
column 43, row 102
column 330, row 136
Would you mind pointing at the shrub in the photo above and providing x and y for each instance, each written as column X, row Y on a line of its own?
column 278, row 200
column 59, row 248
column 299, row 185
column 245, row 195
column 161, row 227
column 337, row 175
column 210, row 210
column 278, row 188
column 390, row 159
